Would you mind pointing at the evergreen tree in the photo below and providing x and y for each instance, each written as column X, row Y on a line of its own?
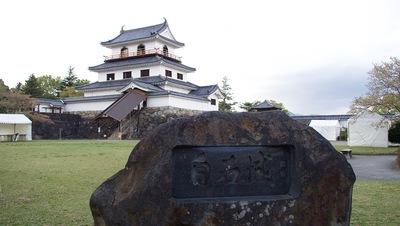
column 32, row 87
column 69, row 79
column 17, row 88
column 3, row 87
column 227, row 102
column 247, row 105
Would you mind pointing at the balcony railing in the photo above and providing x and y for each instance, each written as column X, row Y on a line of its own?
column 142, row 53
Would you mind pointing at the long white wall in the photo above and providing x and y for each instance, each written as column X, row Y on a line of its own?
column 100, row 93
column 87, row 106
column 180, row 103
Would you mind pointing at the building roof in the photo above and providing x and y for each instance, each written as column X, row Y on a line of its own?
column 139, row 34
column 205, row 90
column 139, row 62
column 124, row 105
column 265, row 106
column 151, row 85
column 14, row 119
column 148, row 83
column 50, row 102
column 105, row 84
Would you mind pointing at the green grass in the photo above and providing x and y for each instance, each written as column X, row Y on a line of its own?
column 50, row 183
column 369, row 150
column 376, row 203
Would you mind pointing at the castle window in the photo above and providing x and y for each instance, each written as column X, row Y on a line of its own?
column 145, row 73
column 168, row 73
column 213, row 102
column 127, row 74
column 124, row 52
column 165, row 50
column 111, row 76
column 141, row 49
column 180, row 76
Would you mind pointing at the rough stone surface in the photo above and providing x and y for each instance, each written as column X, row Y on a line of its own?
column 151, row 117
column 64, row 126
column 318, row 191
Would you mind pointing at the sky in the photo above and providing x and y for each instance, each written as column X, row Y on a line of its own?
column 311, row 55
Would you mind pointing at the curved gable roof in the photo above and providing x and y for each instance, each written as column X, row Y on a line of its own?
column 207, row 90
column 140, row 34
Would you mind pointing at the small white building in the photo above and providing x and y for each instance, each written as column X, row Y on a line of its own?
column 330, row 129
column 14, row 127
column 144, row 59
column 368, row 129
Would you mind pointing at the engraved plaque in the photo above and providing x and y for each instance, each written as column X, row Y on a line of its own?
column 231, row 171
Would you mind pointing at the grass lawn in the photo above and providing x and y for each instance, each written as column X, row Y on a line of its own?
column 369, row 150
column 50, row 183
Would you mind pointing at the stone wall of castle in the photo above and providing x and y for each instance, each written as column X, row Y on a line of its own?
column 150, row 118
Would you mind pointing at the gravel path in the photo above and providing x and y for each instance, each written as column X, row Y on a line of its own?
column 375, row 167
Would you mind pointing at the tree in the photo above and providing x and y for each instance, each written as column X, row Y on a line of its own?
column 69, row 79
column 17, row 88
column 50, row 86
column 32, row 87
column 13, row 103
column 81, row 82
column 70, row 92
column 383, row 95
column 279, row 104
column 227, row 102
column 394, row 133
column 247, row 105
column 3, row 87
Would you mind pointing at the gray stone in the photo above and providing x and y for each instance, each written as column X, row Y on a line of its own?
column 229, row 169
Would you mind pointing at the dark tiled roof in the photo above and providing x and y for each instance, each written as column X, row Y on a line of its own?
column 147, row 86
column 151, row 83
column 205, row 90
column 167, row 92
column 265, row 105
column 136, row 62
column 140, row 33
column 105, row 84
column 58, row 103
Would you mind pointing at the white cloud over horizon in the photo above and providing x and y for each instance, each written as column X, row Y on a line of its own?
column 313, row 56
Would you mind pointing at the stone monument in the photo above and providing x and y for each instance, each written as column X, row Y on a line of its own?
column 229, row 169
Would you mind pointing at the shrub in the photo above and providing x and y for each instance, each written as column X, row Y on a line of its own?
column 394, row 133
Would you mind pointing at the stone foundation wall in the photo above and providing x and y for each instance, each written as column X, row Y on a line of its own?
column 150, row 118
column 64, row 126
column 84, row 114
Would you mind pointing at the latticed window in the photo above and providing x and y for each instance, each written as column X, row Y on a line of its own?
column 127, row 74
column 145, row 73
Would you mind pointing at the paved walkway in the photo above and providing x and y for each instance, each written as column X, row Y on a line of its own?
column 375, row 167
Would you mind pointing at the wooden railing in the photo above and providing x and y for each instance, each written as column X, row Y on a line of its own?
column 142, row 53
